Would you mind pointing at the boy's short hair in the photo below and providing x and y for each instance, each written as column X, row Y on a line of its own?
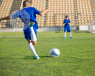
column 66, row 16
column 25, row 3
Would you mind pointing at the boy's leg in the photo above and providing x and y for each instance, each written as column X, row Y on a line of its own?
column 34, row 42
column 69, row 30
column 27, row 33
column 65, row 32
column 32, row 49
column 70, row 34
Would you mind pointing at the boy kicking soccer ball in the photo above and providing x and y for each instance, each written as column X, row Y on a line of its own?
column 67, row 26
column 28, row 17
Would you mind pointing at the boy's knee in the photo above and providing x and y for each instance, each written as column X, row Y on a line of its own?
column 34, row 42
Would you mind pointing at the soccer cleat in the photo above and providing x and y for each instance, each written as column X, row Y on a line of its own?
column 64, row 38
column 37, row 57
column 71, row 37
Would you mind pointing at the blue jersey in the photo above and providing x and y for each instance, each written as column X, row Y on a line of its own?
column 27, row 15
column 67, row 26
column 67, row 21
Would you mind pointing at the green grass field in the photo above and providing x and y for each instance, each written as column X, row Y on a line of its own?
column 77, row 56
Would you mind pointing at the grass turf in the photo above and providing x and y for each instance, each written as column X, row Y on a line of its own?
column 77, row 56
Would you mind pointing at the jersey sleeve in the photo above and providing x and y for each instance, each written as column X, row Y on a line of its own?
column 69, row 21
column 36, row 11
column 16, row 15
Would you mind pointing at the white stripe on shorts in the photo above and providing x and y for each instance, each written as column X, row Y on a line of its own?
column 33, row 36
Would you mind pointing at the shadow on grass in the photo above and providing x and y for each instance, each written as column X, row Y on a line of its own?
column 32, row 57
column 28, row 57
column 45, row 56
column 18, row 58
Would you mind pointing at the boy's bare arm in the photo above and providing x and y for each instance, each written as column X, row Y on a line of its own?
column 6, row 18
column 43, row 12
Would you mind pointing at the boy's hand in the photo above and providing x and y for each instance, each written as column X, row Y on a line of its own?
column 43, row 12
column 48, row 9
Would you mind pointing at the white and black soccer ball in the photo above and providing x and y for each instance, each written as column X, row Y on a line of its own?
column 54, row 52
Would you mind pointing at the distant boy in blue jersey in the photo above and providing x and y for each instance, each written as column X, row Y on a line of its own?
column 67, row 26
column 28, row 17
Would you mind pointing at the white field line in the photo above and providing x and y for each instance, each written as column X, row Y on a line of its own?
column 26, row 44
column 42, row 37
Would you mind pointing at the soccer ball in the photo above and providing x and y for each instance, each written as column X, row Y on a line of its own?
column 54, row 52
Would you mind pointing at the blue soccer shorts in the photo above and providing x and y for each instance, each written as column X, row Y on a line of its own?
column 67, row 28
column 28, row 34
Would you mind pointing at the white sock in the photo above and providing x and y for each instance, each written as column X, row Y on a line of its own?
column 70, row 34
column 33, row 36
column 32, row 49
column 64, row 34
